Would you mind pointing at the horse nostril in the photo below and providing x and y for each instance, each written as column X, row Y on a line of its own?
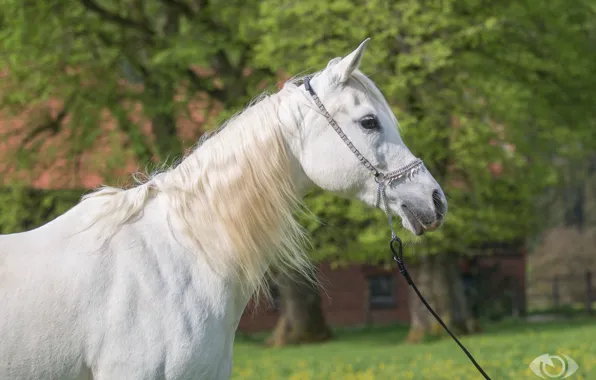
column 439, row 204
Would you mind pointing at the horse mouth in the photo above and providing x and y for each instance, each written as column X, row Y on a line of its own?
column 411, row 222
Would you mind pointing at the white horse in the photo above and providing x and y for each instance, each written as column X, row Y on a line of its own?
column 150, row 283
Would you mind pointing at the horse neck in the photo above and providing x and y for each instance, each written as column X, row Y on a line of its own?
column 275, row 118
column 234, row 197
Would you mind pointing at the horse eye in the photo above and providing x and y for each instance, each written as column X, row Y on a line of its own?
column 369, row 122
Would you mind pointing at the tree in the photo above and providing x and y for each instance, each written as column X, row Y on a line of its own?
column 98, row 56
column 470, row 81
column 302, row 319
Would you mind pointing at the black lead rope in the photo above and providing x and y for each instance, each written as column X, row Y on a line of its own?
column 384, row 180
column 398, row 257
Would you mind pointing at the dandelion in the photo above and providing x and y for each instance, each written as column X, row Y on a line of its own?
column 505, row 356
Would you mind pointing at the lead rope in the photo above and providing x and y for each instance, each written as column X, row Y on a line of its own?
column 398, row 257
column 383, row 180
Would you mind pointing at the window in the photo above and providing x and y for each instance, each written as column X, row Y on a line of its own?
column 382, row 291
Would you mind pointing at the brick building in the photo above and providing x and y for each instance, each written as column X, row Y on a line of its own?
column 358, row 295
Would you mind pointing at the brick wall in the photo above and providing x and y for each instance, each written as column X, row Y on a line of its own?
column 345, row 300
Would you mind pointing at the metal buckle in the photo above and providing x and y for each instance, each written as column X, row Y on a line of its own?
column 379, row 178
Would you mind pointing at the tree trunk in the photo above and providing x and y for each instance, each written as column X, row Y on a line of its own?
column 301, row 319
column 464, row 320
column 168, row 144
column 437, row 278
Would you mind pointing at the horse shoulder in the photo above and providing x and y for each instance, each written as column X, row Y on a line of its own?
column 134, row 307
column 44, row 293
column 165, row 310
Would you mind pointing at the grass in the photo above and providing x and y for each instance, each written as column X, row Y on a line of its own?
column 504, row 351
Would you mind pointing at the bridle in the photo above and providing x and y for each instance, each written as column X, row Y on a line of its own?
column 383, row 180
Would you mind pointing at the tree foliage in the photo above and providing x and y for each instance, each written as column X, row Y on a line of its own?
column 104, row 57
column 25, row 208
column 476, row 86
column 468, row 80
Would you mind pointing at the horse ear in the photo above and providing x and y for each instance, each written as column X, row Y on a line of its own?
column 344, row 69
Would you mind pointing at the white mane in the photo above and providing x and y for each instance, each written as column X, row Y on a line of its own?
column 234, row 198
column 235, row 186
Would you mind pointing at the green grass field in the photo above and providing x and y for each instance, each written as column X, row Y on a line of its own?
column 505, row 350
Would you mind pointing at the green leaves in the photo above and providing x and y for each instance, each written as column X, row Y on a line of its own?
column 468, row 80
column 483, row 92
column 24, row 208
column 114, row 58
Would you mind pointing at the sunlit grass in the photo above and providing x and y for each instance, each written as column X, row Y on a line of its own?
column 504, row 351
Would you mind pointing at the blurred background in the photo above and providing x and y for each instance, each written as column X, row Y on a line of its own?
column 495, row 96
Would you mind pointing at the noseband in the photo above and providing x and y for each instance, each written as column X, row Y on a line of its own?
column 382, row 179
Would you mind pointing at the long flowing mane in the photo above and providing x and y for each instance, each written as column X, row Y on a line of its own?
column 232, row 197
